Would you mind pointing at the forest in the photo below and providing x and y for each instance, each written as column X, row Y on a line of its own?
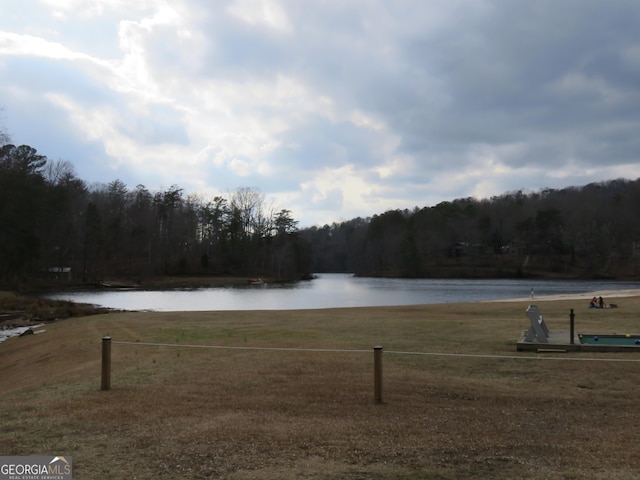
column 56, row 228
column 591, row 231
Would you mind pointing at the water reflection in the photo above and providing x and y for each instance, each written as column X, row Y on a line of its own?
column 334, row 290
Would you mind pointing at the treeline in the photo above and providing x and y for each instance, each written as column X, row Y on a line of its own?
column 53, row 225
column 580, row 232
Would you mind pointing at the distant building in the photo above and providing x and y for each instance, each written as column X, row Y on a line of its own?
column 59, row 273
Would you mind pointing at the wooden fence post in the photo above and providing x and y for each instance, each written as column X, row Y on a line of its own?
column 377, row 373
column 572, row 330
column 106, row 363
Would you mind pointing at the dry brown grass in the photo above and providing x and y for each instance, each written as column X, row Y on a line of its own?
column 180, row 412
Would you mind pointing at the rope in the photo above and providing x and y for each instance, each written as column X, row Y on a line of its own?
column 519, row 357
column 391, row 352
column 223, row 347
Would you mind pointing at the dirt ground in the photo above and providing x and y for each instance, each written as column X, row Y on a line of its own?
column 290, row 394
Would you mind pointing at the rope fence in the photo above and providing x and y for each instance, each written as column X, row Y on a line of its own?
column 226, row 347
column 377, row 351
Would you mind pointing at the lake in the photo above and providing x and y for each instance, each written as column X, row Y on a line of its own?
column 332, row 291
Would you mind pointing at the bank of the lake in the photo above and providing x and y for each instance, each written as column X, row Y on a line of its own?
column 325, row 291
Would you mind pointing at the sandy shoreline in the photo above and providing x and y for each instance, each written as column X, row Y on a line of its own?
column 586, row 296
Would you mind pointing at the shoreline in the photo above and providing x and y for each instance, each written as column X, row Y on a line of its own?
column 15, row 327
column 586, row 296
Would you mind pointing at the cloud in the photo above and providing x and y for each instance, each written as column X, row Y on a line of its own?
column 261, row 12
column 339, row 109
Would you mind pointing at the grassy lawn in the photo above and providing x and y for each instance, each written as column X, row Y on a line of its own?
column 247, row 413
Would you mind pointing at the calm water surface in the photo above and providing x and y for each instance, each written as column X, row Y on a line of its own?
column 334, row 290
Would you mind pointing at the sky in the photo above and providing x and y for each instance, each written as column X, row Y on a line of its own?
column 333, row 109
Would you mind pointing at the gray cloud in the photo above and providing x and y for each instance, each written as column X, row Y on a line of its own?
column 341, row 109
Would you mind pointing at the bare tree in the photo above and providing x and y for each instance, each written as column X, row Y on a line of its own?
column 58, row 172
column 5, row 138
column 248, row 203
